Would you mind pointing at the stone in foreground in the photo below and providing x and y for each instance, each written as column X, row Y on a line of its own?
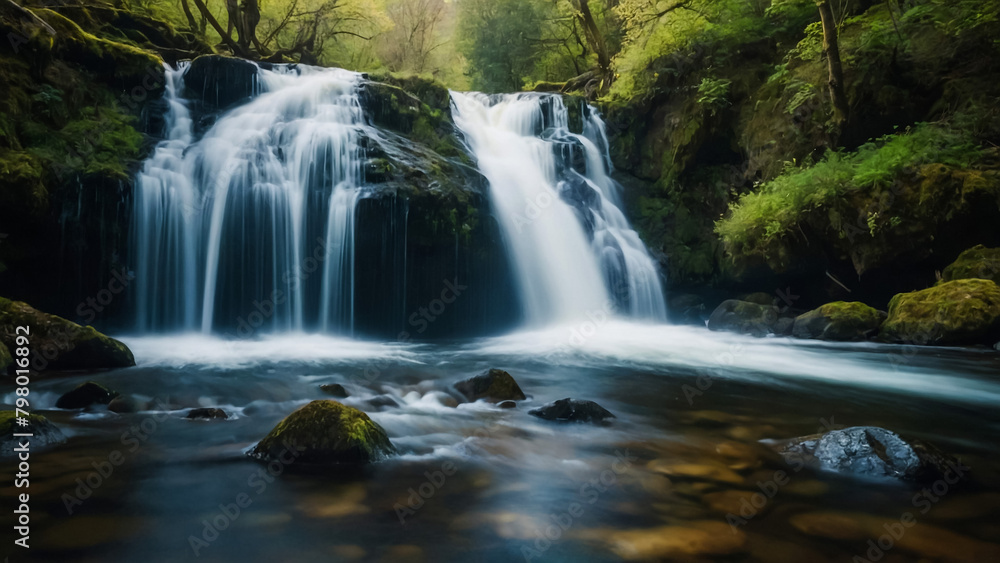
column 86, row 394
column 839, row 321
column 61, row 344
column 43, row 432
column 494, row 385
column 570, row 410
column 325, row 432
column 955, row 312
column 869, row 451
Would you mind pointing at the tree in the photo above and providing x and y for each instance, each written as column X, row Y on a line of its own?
column 499, row 39
column 408, row 46
column 831, row 48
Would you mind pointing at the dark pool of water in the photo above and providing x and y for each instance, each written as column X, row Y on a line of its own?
column 656, row 484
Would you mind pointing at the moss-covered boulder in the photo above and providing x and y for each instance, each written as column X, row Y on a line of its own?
column 325, row 432
column 839, row 321
column 977, row 262
column 44, row 433
column 6, row 359
column 493, row 385
column 955, row 312
column 58, row 344
column 744, row 317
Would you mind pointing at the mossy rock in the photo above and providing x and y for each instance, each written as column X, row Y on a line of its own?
column 325, row 432
column 744, row 317
column 955, row 312
column 977, row 262
column 494, row 385
column 58, row 344
column 44, row 433
column 6, row 359
column 839, row 321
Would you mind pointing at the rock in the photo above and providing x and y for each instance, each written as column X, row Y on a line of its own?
column 494, row 385
column 759, row 298
column 977, row 262
column 125, row 404
column 86, row 394
column 569, row 410
column 44, row 433
column 220, row 82
column 325, row 432
column 507, row 405
column 335, row 389
column 58, row 344
column 868, row 451
column 207, row 413
column 784, row 326
column 687, row 308
column 6, row 360
column 382, row 401
column 744, row 317
column 839, row 321
column 955, row 312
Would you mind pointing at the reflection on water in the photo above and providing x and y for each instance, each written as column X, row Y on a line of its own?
column 678, row 476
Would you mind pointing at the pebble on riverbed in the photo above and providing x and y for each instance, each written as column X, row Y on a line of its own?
column 207, row 413
column 494, row 385
column 571, row 410
column 86, row 394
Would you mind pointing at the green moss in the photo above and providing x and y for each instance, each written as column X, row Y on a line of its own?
column 6, row 359
column 839, row 320
column 8, row 425
column 64, row 344
column 326, row 431
column 977, row 262
column 955, row 312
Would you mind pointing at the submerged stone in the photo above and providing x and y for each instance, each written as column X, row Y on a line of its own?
column 839, row 321
column 43, row 432
column 86, row 394
column 956, row 312
column 334, row 389
column 207, row 413
column 571, row 410
column 869, row 451
column 494, row 385
column 325, row 432
column 123, row 404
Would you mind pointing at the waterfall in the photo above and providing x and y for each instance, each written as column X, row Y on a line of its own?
column 252, row 224
column 558, row 207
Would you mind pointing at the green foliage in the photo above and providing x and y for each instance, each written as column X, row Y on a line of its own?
column 759, row 221
column 498, row 41
column 713, row 93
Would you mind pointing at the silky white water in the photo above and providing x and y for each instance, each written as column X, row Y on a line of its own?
column 254, row 220
column 572, row 248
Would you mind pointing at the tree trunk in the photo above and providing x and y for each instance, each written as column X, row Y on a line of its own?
column 189, row 16
column 226, row 38
column 841, row 109
column 594, row 36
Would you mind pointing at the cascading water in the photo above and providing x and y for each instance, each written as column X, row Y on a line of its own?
column 558, row 207
column 254, row 221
